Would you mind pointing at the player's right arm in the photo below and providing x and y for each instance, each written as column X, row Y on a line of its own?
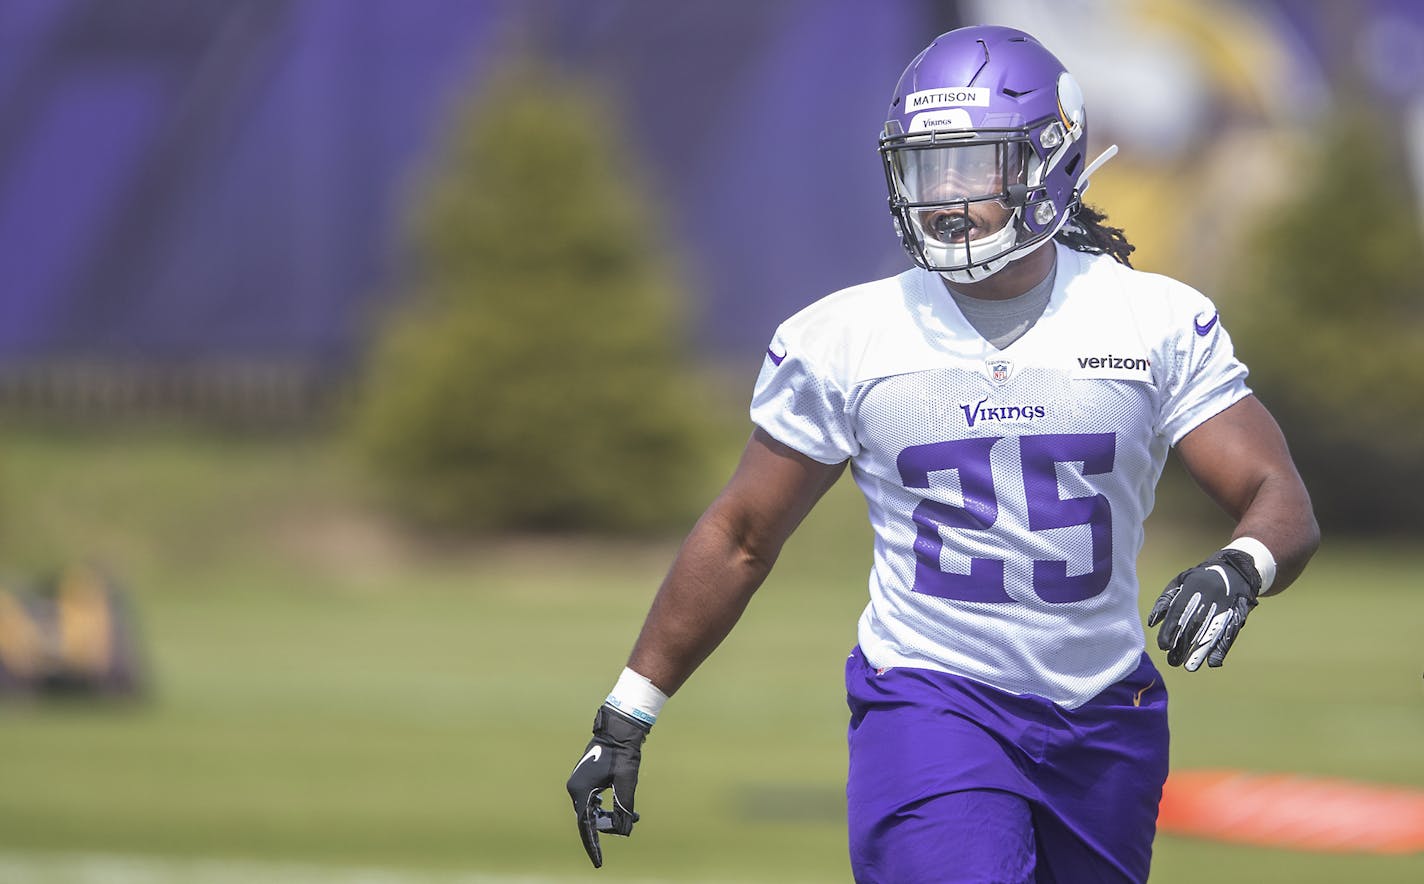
column 723, row 561
column 726, row 557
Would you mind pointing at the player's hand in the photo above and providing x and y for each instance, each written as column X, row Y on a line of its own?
column 1203, row 609
column 610, row 761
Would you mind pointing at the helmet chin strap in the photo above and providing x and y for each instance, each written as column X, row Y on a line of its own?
column 997, row 244
column 981, row 272
column 977, row 273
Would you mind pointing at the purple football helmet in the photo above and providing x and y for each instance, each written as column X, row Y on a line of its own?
column 983, row 151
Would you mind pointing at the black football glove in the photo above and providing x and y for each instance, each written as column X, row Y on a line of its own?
column 1203, row 609
column 610, row 761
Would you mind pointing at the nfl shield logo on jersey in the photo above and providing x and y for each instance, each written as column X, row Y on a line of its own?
column 999, row 370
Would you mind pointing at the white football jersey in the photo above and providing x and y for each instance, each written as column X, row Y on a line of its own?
column 1007, row 488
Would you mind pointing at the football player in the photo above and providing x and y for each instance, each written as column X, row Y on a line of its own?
column 1006, row 406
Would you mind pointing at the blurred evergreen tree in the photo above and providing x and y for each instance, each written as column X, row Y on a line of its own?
column 1332, row 326
column 538, row 378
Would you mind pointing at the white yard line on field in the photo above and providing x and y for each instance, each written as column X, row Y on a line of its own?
column 99, row 868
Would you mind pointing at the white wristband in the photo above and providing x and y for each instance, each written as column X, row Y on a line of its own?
column 637, row 697
column 1265, row 562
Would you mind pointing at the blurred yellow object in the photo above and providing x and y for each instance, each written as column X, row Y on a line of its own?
column 84, row 624
column 21, row 646
column 70, row 635
column 1239, row 50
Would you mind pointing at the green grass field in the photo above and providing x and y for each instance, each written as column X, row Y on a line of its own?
column 334, row 701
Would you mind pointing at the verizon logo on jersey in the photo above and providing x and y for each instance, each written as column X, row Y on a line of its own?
column 977, row 412
column 1110, row 361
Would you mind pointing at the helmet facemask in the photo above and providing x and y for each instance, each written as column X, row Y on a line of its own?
column 982, row 151
column 960, row 198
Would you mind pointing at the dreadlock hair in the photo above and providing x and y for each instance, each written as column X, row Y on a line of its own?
column 1086, row 231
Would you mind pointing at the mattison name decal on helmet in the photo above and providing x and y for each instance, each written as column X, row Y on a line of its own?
column 950, row 118
column 962, row 96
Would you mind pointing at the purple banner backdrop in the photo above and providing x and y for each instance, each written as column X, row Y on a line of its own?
column 187, row 179
column 183, row 179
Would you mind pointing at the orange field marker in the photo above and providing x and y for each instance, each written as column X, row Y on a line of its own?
column 1293, row 811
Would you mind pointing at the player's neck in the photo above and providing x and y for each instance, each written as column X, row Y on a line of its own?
column 1015, row 279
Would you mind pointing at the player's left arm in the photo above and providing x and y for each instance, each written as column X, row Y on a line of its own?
column 1240, row 459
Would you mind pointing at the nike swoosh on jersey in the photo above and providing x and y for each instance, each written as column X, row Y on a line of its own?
column 595, row 753
column 1204, row 328
column 775, row 359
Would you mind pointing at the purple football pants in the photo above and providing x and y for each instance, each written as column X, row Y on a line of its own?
column 954, row 781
